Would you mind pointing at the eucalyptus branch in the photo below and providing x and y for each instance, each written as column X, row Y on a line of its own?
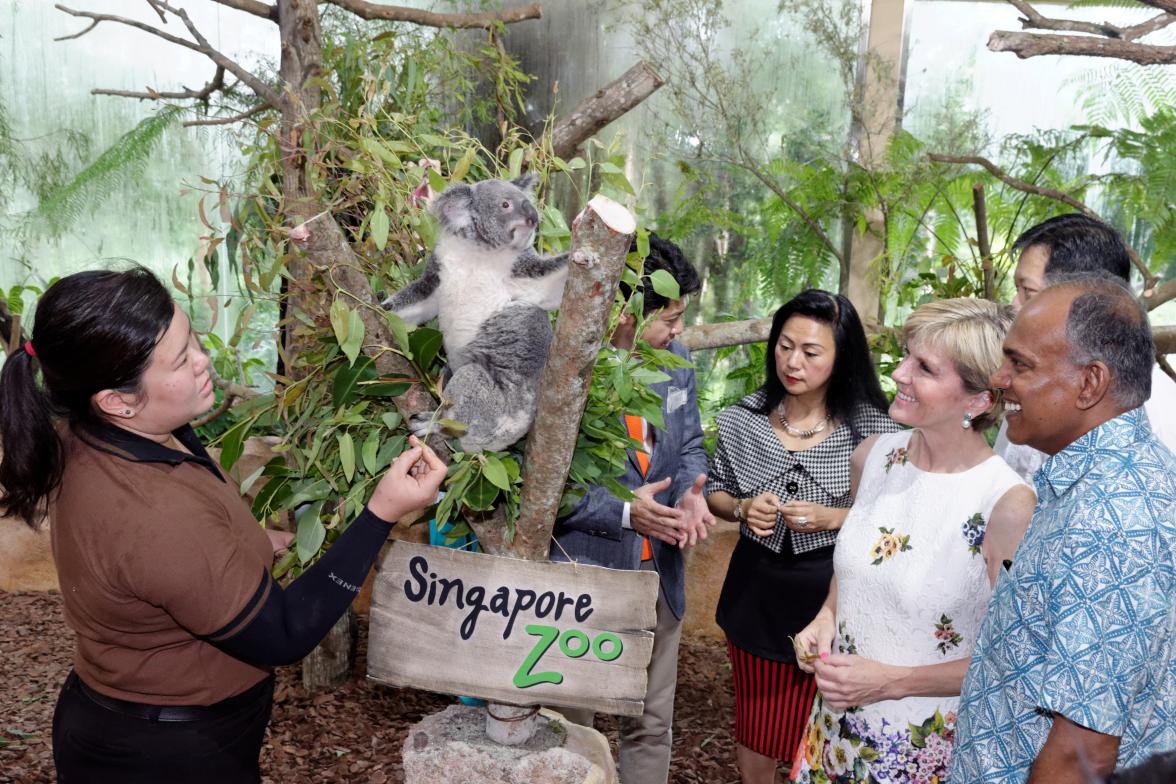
column 1050, row 193
column 155, row 7
column 201, row 45
column 1033, row 20
column 245, row 115
column 203, row 94
column 215, row 413
column 747, row 165
column 395, row 13
column 252, row 7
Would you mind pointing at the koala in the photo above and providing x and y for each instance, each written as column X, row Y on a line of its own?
column 490, row 293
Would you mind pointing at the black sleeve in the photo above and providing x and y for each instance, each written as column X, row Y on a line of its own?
column 282, row 626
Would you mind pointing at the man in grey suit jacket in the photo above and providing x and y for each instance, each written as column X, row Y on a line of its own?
column 667, row 514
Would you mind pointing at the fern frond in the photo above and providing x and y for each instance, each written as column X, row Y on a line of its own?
column 117, row 164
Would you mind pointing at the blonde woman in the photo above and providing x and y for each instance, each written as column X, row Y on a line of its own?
column 935, row 515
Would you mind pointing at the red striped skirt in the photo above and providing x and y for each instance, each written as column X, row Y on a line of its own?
column 772, row 703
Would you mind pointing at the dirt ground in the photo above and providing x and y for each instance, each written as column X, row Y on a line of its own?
column 353, row 734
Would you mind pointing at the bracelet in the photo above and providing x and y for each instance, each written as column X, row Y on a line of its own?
column 739, row 518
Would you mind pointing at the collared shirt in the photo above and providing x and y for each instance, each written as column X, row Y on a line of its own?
column 154, row 550
column 1161, row 413
column 749, row 460
column 1082, row 624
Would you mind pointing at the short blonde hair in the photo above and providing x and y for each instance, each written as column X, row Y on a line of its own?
column 971, row 332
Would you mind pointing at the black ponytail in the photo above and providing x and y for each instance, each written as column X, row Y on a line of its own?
column 91, row 331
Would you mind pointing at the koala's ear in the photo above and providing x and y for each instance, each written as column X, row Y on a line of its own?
column 453, row 205
column 527, row 182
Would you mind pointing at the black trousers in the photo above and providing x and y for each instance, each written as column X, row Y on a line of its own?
column 96, row 743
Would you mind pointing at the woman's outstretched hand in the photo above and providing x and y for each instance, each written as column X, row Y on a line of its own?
column 410, row 483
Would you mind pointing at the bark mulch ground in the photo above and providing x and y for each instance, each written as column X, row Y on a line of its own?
column 353, row 734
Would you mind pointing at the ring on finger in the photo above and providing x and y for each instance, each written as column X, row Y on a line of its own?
column 802, row 522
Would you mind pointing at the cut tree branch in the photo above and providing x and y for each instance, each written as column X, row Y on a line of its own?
column 201, row 45
column 395, row 13
column 1156, row 295
column 1050, row 193
column 602, row 107
column 726, row 333
column 1026, row 45
column 600, row 242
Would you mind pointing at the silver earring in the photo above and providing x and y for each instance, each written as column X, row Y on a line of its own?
column 126, row 412
column 967, row 423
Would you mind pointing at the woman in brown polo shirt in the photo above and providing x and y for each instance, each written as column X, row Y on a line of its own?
column 164, row 572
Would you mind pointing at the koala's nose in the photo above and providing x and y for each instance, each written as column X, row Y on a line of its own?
column 531, row 216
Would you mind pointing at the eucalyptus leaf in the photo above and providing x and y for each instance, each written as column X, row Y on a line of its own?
column 400, row 330
column 496, row 472
column 425, row 343
column 665, row 285
column 355, row 335
column 481, row 494
column 369, row 452
column 339, row 321
column 378, row 225
column 346, row 455
column 311, row 533
column 345, row 385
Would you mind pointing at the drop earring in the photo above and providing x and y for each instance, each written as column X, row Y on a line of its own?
column 967, row 423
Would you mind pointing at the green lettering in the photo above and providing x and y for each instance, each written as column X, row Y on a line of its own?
column 598, row 646
column 523, row 677
column 582, row 644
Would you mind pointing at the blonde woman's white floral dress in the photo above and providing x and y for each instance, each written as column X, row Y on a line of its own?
column 911, row 590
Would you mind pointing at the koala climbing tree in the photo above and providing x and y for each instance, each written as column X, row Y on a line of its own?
column 490, row 292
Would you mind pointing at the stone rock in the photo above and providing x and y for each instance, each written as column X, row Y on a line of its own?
column 452, row 747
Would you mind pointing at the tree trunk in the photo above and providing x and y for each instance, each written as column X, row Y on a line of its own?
column 600, row 241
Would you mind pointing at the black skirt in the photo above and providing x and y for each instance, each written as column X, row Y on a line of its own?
column 770, row 596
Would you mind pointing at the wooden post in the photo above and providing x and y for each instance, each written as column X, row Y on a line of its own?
column 601, row 236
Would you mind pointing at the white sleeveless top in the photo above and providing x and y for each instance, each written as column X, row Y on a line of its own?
column 912, row 589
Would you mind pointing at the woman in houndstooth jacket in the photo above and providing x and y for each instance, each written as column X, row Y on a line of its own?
column 781, row 470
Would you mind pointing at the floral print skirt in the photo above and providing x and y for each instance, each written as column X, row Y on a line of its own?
column 852, row 747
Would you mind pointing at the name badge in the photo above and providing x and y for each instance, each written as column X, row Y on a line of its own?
column 675, row 399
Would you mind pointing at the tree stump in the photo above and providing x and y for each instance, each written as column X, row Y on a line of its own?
column 329, row 665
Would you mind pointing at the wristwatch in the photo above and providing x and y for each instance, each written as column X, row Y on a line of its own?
column 739, row 518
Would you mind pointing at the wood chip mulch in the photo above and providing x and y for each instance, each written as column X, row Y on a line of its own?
column 352, row 734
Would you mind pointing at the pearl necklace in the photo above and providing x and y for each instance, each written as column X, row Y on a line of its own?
column 794, row 432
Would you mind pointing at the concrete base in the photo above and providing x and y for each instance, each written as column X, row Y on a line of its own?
column 452, row 746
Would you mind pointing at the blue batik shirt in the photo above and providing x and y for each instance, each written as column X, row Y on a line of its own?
column 1082, row 623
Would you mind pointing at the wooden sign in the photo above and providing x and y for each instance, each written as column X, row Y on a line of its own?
column 512, row 631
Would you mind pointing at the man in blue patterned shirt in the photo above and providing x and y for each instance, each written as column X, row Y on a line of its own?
column 1073, row 673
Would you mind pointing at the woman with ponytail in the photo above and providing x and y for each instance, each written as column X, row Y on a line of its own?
column 165, row 575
